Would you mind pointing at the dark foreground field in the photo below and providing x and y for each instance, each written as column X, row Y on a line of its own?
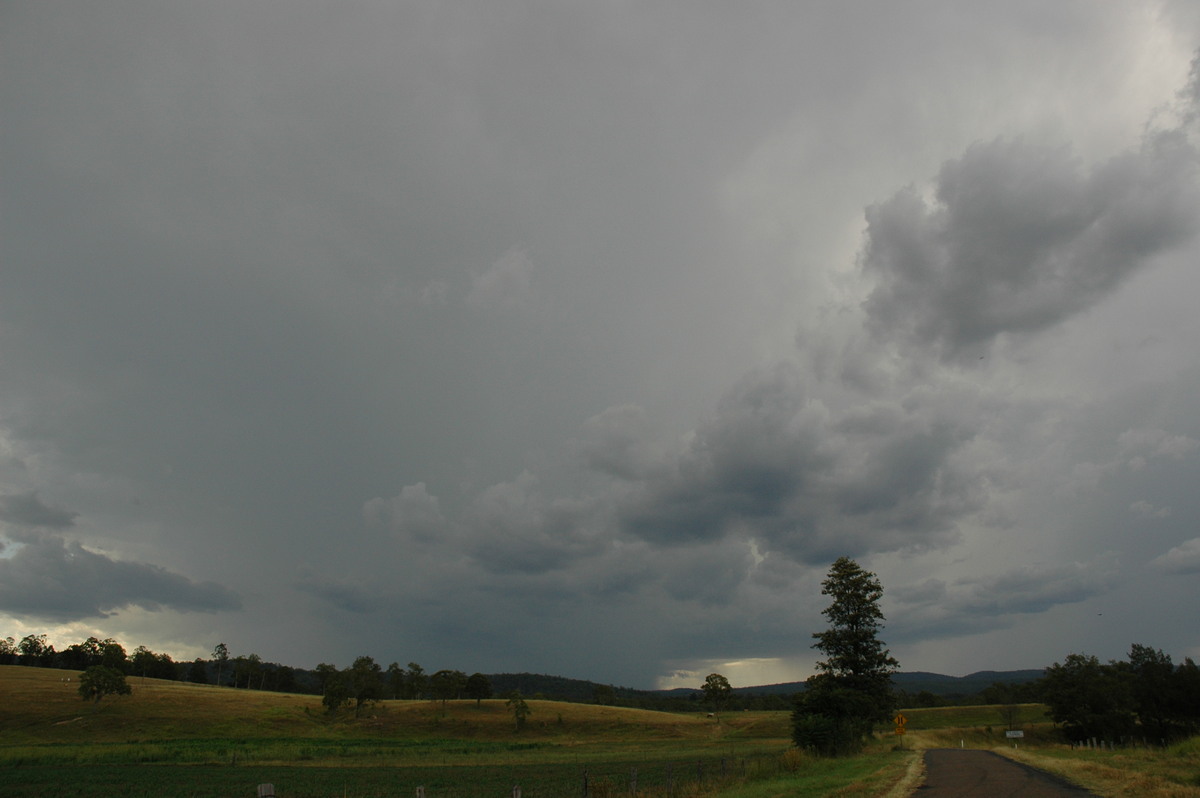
column 176, row 739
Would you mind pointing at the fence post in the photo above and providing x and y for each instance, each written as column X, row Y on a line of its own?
column 633, row 781
column 421, row 791
column 585, row 786
column 516, row 791
column 266, row 791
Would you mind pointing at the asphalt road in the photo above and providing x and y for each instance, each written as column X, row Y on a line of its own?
column 958, row 773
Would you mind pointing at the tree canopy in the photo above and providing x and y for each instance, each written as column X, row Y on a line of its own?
column 716, row 691
column 852, row 689
column 101, row 680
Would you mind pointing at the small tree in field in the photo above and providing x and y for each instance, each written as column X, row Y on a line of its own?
column 338, row 692
column 99, row 681
column 853, row 688
column 520, row 709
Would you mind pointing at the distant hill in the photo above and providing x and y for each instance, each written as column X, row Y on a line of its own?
column 916, row 681
column 561, row 688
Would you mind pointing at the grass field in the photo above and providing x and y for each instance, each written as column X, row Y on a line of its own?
column 175, row 739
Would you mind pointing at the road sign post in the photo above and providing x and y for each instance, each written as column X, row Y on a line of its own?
column 900, row 722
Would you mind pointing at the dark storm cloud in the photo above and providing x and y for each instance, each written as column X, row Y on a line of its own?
column 1020, row 236
column 344, row 595
column 777, row 465
column 60, row 580
column 26, row 509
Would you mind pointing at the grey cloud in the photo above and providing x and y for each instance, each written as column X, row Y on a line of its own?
column 1147, row 443
column 1144, row 509
column 413, row 513
column 512, row 526
column 1182, row 559
column 507, row 283
column 55, row 579
column 936, row 608
column 620, row 442
column 26, row 509
column 1020, row 237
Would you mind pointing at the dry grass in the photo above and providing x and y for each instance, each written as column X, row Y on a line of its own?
column 1128, row 773
column 42, row 709
column 1125, row 773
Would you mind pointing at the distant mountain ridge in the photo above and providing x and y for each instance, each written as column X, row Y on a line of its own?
column 914, row 682
column 938, row 684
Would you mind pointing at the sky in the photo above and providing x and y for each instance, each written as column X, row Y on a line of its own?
column 581, row 338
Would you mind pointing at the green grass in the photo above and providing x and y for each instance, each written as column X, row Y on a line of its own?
column 872, row 773
column 176, row 739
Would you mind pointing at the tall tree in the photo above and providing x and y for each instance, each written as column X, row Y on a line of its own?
column 220, row 655
column 395, row 680
column 417, row 681
column 8, row 651
column 112, row 655
column 1089, row 699
column 198, row 672
column 716, row 692
column 479, row 687
column 34, row 650
column 365, row 679
column 326, row 674
column 143, row 661
column 1155, row 700
column 447, row 685
column 336, row 691
column 852, row 689
column 83, row 655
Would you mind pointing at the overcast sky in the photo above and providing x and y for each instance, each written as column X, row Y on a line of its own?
column 581, row 338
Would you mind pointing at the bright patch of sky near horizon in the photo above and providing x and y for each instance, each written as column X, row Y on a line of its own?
column 581, row 338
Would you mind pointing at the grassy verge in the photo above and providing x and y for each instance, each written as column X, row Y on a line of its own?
column 1172, row 772
column 879, row 771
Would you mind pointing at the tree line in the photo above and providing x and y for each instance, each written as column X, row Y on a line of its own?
column 411, row 682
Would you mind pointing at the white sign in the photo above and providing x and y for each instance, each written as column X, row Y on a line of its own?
column 1014, row 734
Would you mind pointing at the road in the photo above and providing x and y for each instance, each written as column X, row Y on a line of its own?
column 957, row 773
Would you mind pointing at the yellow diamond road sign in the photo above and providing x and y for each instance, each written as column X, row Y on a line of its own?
column 900, row 720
